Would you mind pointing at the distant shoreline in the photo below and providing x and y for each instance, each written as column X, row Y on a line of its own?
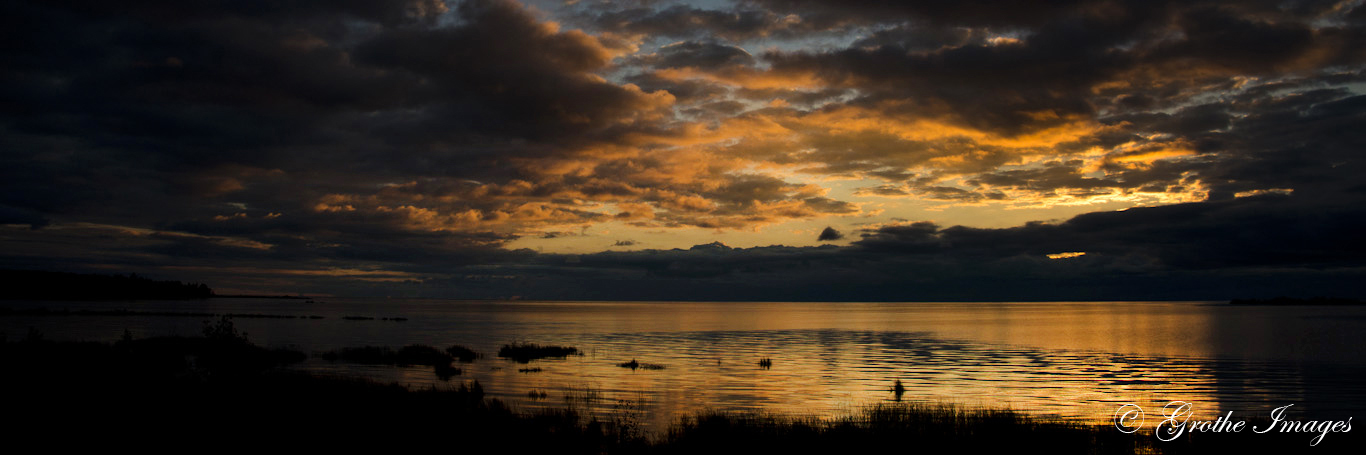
column 43, row 285
column 1292, row 301
column 253, row 296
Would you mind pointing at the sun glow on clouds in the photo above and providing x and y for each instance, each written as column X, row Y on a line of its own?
column 413, row 127
column 690, row 171
column 703, row 170
column 1280, row 191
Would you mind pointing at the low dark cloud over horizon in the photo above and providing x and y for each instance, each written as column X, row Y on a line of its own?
column 720, row 150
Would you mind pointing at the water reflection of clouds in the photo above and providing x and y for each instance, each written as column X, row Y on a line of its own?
column 823, row 372
column 1070, row 359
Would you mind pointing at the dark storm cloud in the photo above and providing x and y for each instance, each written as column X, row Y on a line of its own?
column 680, row 20
column 1048, row 70
column 925, row 38
column 1298, row 140
column 1265, row 231
column 686, row 91
column 683, row 21
column 991, row 12
column 216, row 125
column 726, row 108
column 1005, row 13
column 699, row 54
column 187, row 106
column 1210, row 250
column 1047, row 62
column 504, row 73
column 14, row 215
column 829, row 233
column 1051, row 176
column 948, row 193
column 358, row 143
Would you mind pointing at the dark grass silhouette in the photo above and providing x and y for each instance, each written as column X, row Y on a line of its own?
column 940, row 428
column 634, row 365
column 447, row 371
column 220, row 392
column 462, row 353
column 526, row 352
column 413, row 354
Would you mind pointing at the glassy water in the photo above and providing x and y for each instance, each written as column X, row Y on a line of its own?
column 1072, row 360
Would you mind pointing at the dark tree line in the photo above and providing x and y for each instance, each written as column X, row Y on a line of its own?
column 39, row 285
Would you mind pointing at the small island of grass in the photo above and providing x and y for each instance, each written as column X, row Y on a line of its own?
column 526, row 352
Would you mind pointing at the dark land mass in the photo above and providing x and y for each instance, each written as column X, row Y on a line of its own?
column 123, row 312
column 255, row 296
column 114, row 312
column 40, row 285
column 220, row 393
column 1291, row 301
column 526, row 352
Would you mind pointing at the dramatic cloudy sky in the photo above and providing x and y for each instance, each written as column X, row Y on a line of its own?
column 655, row 149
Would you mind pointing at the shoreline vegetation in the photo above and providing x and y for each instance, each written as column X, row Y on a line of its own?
column 526, row 352
column 180, row 392
column 1292, row 301
column 259, row 296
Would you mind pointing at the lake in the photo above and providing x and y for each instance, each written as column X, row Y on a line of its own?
column 1075, row 360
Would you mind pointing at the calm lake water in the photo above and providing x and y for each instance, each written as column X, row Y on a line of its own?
column 1072, row 360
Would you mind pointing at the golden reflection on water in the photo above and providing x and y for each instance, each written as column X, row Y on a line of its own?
column 1073, row 360
column 1077, row 361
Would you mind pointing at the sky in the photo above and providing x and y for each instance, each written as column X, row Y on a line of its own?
column 713, row 150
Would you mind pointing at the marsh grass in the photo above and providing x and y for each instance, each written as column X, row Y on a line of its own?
column 526, row 352
column 947, row 428
column 446, row 372
column 899, row 427
column 170, row 393
column 462, row 353
column 634, row 365
column 413, row 354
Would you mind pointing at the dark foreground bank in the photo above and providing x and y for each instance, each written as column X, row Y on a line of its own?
column 219, row 392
